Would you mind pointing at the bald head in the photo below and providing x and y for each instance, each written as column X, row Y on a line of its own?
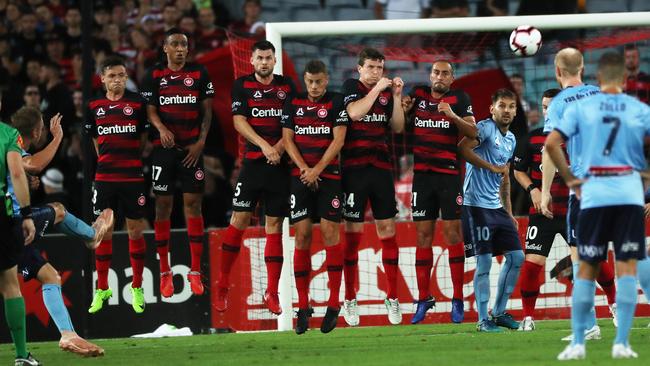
column 569, row 61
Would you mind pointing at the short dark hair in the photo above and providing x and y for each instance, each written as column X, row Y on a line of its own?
column 516, row 76
column 262, row 45
column 171, row 31
column 51, row 65
column 370, row 53
column 111, row 61
column 550, row 93
column 611, row 66
column 26, row 119
column 630, row 47
column 315, row 67
column 503, row 93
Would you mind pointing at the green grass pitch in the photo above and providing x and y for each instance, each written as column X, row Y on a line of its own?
column 438, row 344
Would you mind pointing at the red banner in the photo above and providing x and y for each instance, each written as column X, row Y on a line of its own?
column 246, row 311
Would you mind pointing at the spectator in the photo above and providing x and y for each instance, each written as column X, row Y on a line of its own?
column 46, row 21
column 150, row 26
column 32, row 96
column 449, row 8
column 209, row 35
column 119, row 15
column 56, row 52
column 492, row 8
column 638, row 82
column 102, row 17
column 519, row 87
column 251, row 24
column 56, row 97
column 144, row 57
column 187, row 8
column 402, row 9
column 12, row 17
column 28, row 43
column 53, row 187
column 72, row 35
column 170, row 17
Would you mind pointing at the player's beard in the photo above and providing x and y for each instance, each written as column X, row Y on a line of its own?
column 440, row 88
column 264, row 73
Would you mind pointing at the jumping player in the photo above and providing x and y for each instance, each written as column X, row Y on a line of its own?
column 257, row 102
column 118, row 125
column 179, row 96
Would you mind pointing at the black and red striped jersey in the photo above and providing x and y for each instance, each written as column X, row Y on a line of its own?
column 118, row 126
column 313, row 126
column 366, row 141
column 639, row 86
column 177, row 96
column 528, row 158
column 262, row 106
column 435, row 136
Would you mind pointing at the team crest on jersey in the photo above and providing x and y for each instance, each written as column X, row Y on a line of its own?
column 336, row 203
column 163, row 82
column 383, row 100
column 128, row 110
column 199, row 175
column 459, row 200
column 100, row 112
column 281, row 94
column 300, row 112
column 142, row 200
column 322, row 113
column 422, row 105
column 257, row 94
column 188, row 81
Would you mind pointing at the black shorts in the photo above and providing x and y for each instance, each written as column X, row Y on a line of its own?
column 488, row 230
column 323, row 203
column 369, row 183
column 259, row 180
column 434, row 192
column 624, row 225
column 572, row 217
column 541, row 233
column 130, row 196
column 43, row 217
column 12, row 241
column 167, row 169
column 30, row 262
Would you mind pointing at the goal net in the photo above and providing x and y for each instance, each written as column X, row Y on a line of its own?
column 483, row 62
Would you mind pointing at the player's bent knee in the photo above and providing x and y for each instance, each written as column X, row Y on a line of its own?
column 273, row 224
column 385, row 228
column 59, row 211
column 240, row 220
column 425, row 240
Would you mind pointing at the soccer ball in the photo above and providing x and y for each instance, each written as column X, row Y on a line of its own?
column 525, row 40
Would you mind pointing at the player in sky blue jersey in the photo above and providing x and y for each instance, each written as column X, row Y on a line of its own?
column 569, row 66
column 612, row 126
column 489, row 228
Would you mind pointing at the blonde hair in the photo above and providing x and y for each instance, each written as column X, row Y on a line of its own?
column 569, row 61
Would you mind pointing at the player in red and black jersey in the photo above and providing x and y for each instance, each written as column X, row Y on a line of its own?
column 373, row 103
column 119, row 127
column 257, row 103
column 441, row 117
column 314, row 125
column 179, row 98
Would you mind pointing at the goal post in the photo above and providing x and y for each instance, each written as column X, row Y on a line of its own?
column 275, row 32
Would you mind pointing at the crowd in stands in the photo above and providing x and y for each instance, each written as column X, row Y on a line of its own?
column 41, row 58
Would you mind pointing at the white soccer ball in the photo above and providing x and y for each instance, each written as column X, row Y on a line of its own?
column 525, row 40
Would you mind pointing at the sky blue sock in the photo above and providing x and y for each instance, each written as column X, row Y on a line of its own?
column 507, row 280
column 592, row 316
column 643, row 272
column 626, row 296
column 482, row 284
column 583, row 295
column 76, row 228
column 53, row 300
